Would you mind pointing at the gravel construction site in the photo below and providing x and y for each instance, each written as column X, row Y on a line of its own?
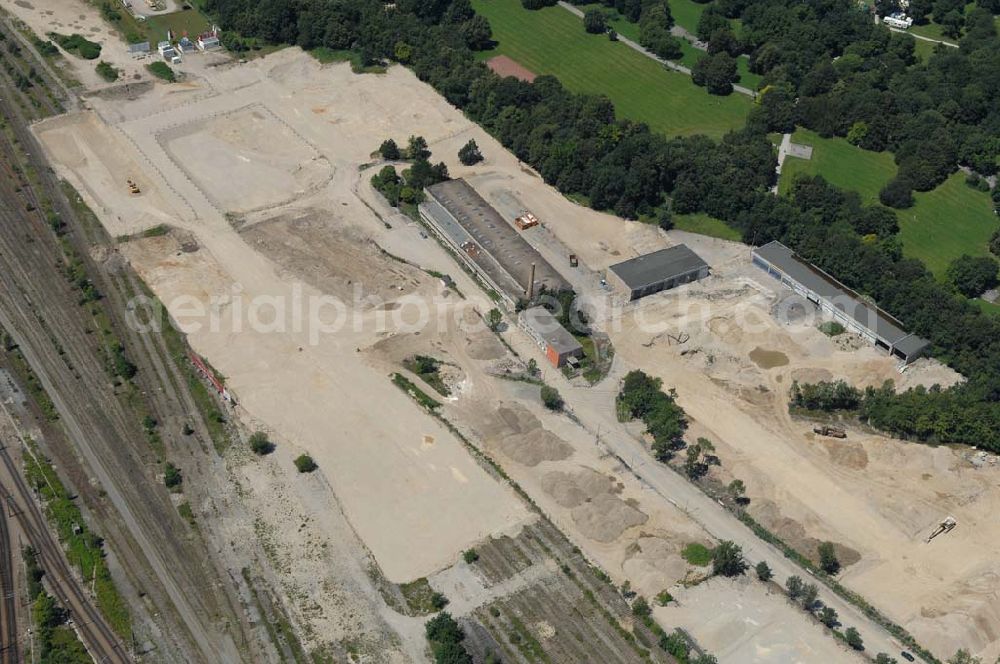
column 260, row 170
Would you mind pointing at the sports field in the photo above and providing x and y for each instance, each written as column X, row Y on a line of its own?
column 943, row 224
column 552, row 41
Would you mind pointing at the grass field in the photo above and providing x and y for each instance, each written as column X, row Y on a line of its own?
column 690, row 55
column 841, row 164
column 552, row 41
column 188, row 21
column 943, row 224
column 706, row 225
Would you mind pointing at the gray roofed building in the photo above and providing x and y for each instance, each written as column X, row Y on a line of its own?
column 846, row 306
column 487, row 242
column 559, row 345
column 658, row 271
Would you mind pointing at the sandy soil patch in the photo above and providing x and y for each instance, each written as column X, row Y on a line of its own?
column 253, row 147
column 506, row 66
column 874, row 497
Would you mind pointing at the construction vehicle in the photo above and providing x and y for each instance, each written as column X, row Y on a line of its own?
column 573, row 260
column 832, row 432
column 133, row 187
column 946, row 526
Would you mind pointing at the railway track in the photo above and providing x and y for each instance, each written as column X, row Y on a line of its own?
column 10, row 651
column 100, row 640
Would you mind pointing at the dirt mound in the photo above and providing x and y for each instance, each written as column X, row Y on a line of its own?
column 519, row 435
column 606, row 517
column 574, row 489
column 794, row 534
column 811, row 375
column 654, row 564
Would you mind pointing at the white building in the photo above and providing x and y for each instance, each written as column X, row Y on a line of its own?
column 898, row 21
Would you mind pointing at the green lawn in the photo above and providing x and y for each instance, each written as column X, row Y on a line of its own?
column 188, row 21
column 841, row 164
column 706, row 225
column 947, row 222
column 552, row 41
column 943, row 224
column 690, row 54
column 686, row 14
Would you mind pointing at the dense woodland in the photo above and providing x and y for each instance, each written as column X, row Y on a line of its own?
column 826, row 65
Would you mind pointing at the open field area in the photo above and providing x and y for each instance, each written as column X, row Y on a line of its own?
column 951, row 220
column 552, row 41
column 278, row 209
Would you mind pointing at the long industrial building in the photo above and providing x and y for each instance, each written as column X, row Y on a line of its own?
column 487, row 243
column 839, row 301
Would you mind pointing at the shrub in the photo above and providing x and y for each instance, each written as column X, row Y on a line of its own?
column 764, row 572
column 438, row 601
column 831, row 328
column 162, row 71
column 727, row 559
column 828, row 558
column 470, row 556
column 469, row 154
column 260, row 444
column 794, row 586
column 853, row 639
column 107, row 72
column 172, row 476
column 305, row 464
column 664, row 598
column 551, row 398
column 538, row 4
column 995, row 243
column 641, row 608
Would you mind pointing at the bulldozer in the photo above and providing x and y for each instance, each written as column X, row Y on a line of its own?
column 132, row 186
column 833, row 432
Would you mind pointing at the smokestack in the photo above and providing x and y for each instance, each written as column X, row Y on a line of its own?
column 531, row 283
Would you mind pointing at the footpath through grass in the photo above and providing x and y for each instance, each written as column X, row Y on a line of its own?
column 943, row 224
column 553, row 41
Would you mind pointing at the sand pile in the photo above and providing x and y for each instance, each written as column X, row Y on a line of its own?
column 519, row 435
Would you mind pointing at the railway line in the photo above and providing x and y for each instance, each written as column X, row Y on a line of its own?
column 198, row 616
column 10, row 651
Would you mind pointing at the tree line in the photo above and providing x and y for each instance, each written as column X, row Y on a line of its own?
column 578, row 145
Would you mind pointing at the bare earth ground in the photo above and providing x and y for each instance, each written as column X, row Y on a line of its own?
column 296, row 216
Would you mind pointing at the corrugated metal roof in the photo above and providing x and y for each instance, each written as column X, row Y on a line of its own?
column 658, row 266
column 842, row 298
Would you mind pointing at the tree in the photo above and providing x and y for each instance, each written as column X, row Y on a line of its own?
column 470, row 556
column 828, row 558
column 612, row 35
column 764, row 572
column 172, row 476
column 493, row 319
column 810, row 595
column 897, row 193
column 828, row 616
column 995, row 243
column 853, row 638
column 794, row 586
column 640, row 607
column 716, row 73
column 883, row 658
column 305, row 464
column 664, row 219
column 963, row 656
column 416, row 148
column 532, row 367
column 727, row 559
column 389, row 150
column 595, row 22
column 260, row 444
column 469, row 153
column 477, row 33
column 654, row 32
column 972, row 276
column 551, row 398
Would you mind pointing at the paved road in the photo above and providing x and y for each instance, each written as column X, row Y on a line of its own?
column 595, row 406
column 666, row 63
